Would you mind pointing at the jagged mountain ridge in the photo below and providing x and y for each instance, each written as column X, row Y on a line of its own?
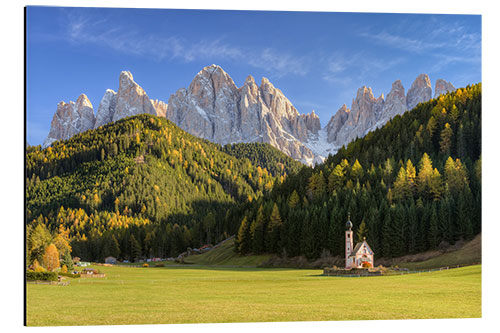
column 368, row 113
column 70, row 119
column 214, row 108
column 73, row 118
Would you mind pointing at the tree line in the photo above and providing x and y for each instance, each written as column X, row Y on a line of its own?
column 411, row 186
column 144, row 177
column 142, row 187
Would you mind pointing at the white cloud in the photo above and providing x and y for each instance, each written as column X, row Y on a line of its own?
column 81, row 30
column 279, row 64
column 445, row 60
column 403, row 43
column 341, row 67
column 446, row 42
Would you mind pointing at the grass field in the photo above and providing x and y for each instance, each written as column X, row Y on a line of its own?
column 226, row 256
column 470, row 253
column 215, row 295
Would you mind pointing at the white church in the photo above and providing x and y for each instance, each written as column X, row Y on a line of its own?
column 361, row 256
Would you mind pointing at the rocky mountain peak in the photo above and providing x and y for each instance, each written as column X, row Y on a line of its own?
column 250, row 80
column 70, row 119
column 265, row 81
column 442, row 87
column 131, row 99
column 106, row 108
column 336, row 123
column 83, row 102
column 368, row 113
column 210, row 84
column 363, row 102
column 420, row 91
column 126, row 79
column 215, row 76
column 364, row 92
column 214, row 108
column 394, row 104
column 397, row 89
column 312, row 122
column 344, row 109
column 160, row 107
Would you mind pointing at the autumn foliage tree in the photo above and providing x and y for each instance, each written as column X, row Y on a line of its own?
column 51, row 258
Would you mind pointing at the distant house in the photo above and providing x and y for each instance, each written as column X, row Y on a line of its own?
column 82, row 264
column 206, row 247
column 110, row 260
column 361, row 255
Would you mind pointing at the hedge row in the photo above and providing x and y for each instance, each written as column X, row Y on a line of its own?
column 41, row 276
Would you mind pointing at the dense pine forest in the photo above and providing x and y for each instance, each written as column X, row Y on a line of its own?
column 142, row 187
column 411, row 186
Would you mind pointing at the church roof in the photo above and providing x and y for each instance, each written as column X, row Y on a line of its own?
column 358, row 247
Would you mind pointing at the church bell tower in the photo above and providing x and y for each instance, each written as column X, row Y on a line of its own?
column 348, row 242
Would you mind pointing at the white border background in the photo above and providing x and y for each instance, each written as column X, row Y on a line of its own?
column 12, row 163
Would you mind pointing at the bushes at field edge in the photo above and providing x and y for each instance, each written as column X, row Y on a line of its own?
column 41, row 276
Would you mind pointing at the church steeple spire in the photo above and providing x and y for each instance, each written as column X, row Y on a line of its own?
column 348, row 242
column 348, row 223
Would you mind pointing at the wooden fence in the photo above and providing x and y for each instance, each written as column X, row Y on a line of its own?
column 92, row 275
column 56, row 283
column 404, row 271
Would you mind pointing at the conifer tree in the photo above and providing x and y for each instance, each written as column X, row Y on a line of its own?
column 436, row 185
column 209, row 224
column 357, row 171
column 336, row 178
column 401, row 186
column 362, row 231
column 335, row 234
column 387, row 237
column 411, row 176
column 445, row 143
column 308, row 242
column 257, row 232
column 316, row 187
column 432, row 234
column 273, row 231
column 243, row 240
column 135, row 248
column 67, row 261
column 294, row 199
column 424, row 175
column 114, row 249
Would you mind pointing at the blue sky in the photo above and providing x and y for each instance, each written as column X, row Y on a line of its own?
column 317, row 59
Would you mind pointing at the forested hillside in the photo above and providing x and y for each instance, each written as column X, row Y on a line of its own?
column 409, row 186
column 264, row 155
column 142, row 187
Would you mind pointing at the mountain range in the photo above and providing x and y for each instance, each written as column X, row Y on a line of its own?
column 214, row 108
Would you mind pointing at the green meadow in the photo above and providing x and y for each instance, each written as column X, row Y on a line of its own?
column 204, row 294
